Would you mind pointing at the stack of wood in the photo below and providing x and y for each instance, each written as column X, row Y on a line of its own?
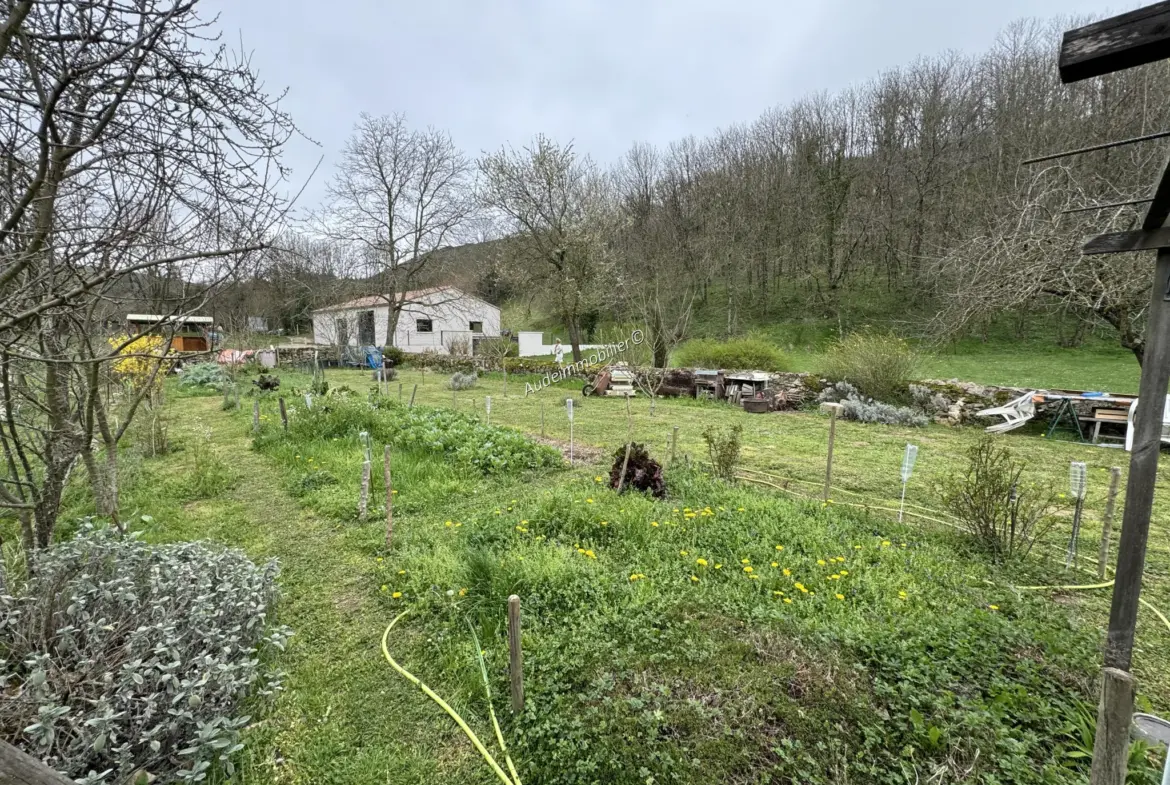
column 679, row 383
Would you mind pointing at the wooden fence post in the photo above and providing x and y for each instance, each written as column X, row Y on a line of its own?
column 834, row 408
column 1107, row 521
column 283, row 414
column 673, row 444
column 364, row 498
column 400, row 392
column 389, row 496
column 1111, row 751
column 542, row 419
column 412, row 394
column 256, row 415
column 515, row 655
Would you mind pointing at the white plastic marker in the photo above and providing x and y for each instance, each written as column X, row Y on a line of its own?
column 569, row 409
column 907, row 469
column 309, row 401
column 364, row 438
column 487, row 402
column 1076, row 488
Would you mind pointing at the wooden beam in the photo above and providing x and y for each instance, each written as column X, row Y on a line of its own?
column 1114, row 44
column 19, row 768
column 1124, row 242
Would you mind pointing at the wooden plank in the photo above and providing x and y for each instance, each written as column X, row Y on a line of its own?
column 19, row 768
column 1114, row 44
column 1125, row 242
column 1159, row 209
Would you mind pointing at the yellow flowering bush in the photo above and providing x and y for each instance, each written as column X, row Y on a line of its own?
column 135, row 359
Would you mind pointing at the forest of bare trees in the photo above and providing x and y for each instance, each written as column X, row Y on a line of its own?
column 901, row 199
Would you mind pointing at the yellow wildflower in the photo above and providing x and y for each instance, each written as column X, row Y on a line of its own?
column 820, row 562
column 747, row 569
column 701, row 562
column 786, row 572
column 719, row 566
column 993, row 607
column 775, row 564
column 385, row 587
column 779, row 547
column 396, row 595
column 839, row 596
column 694, row 579
column 683, row 553
column 788, row 600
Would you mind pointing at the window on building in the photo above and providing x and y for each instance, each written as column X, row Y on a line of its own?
column 424, row 326
column 475, row 327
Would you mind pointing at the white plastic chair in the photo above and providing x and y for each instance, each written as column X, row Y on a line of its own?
column 1014, row 413
column 1129, row 423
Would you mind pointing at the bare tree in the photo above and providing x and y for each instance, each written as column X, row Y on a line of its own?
column 558, row 208
column 132, row 141
column 399, row 195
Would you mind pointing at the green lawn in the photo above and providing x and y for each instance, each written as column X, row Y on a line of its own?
column 860, row 649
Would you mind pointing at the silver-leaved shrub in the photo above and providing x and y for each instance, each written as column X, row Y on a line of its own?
column 117, row 656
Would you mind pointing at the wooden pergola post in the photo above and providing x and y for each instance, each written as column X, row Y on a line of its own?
column 1110, row 45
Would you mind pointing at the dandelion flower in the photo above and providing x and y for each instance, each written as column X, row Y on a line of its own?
column 885, row 543
column 901, row 595
column 788, row 600
column 463, row 592
column 694, row 579
column 596, row 479
column 683, row 553
column 775, row 564
column 747, row 569
column 604, row 523
column 745, row 561
column 589, row 501
column 739, row 509
column 786, row 572
column 839, row 596
column 654, row 523
column 779, row 547
column 719, row 566
column 396, row 595
column 993, row 607
column 844, row 572
column 402, row 572
column 701, row 562
column 820, row 562
column 379, row 560
column 392, row 493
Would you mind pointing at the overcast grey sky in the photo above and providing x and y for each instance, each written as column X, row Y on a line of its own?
column 605, row 73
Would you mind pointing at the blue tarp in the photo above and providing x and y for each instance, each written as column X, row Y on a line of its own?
column 373, row 357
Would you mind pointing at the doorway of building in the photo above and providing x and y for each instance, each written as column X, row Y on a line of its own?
column 366, row 328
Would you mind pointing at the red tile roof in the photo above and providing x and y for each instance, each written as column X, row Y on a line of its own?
column 376, row 300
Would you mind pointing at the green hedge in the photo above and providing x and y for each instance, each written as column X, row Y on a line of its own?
column 740, row 354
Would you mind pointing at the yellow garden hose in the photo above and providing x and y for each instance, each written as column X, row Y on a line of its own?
column 487, row 756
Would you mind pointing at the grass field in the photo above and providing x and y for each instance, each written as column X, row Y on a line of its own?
column 870, row 651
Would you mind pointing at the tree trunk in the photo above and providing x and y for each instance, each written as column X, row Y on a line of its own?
column 574, row 324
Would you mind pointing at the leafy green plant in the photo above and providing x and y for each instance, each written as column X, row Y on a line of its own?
column 723, row 447
column 739, row 354
column 1078, row 735
column 109, row 635
column 879, row 364
column 393, row 356
column 208, row 473
column 1006, row 515
column 209, row 375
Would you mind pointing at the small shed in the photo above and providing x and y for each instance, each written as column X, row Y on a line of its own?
column 187, row 333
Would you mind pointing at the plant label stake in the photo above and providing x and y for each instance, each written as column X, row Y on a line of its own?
column 364, row 438
column 487, row 405
column 308, row 402
column 364, row 498
column 1076, row 487
column 255, row 415
column 283, row 414
column 673, row 444
column 907, row 468
column 569, row 410
column 1107, row 521
column 400, row 392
